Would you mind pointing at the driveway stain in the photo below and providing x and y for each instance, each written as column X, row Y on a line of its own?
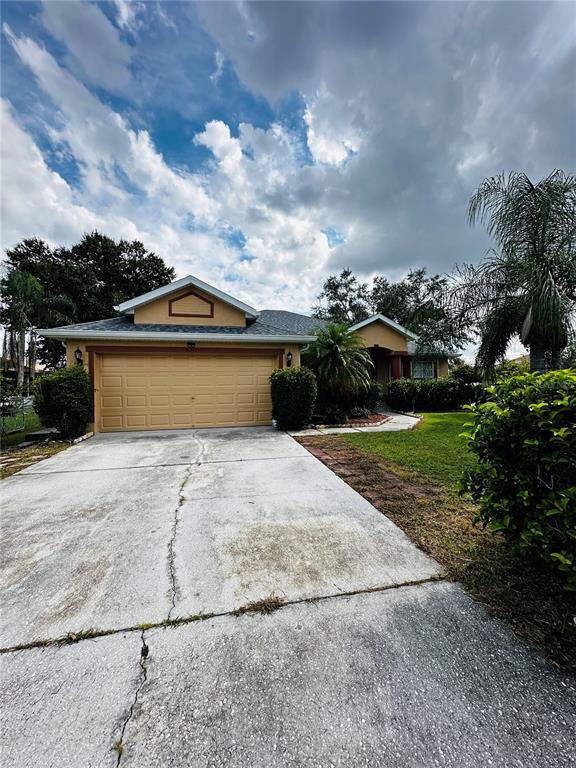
column 302, row 553
column 84, row 582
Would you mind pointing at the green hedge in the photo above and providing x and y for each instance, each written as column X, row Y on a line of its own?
column 525, row 481
column 64, row 400
column 293, row 397
column 445, row 394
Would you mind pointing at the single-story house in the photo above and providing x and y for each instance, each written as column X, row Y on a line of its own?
column 189, row 355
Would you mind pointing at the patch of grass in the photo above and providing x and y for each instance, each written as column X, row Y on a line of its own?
column 31, row 423
column 433, row 448
column 522, row 593
column 19, row 458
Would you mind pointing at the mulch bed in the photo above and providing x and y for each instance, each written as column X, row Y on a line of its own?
column 529, row 598
column 374, row 420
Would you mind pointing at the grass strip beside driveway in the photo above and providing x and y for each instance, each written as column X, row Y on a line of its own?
column 529, row 598
column 433, row 448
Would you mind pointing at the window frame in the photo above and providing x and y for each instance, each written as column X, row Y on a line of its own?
column 417, row 363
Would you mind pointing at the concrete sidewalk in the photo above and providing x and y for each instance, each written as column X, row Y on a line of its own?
column 370, row 659
column 397, row 422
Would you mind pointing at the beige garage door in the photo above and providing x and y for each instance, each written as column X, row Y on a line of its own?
column 180, row 391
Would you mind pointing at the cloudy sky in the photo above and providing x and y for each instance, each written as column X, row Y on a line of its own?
column 262, row 146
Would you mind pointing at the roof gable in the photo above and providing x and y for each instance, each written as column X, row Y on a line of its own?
column 387, row 322
column 127, row 307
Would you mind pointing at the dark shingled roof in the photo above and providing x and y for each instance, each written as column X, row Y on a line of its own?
column 270, row 322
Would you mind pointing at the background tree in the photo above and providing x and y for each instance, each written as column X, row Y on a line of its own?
column 343, row 299
column 418, row 302
column 527, row 287
column 95, row 275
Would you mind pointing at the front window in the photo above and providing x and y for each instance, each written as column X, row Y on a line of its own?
column 422, row 369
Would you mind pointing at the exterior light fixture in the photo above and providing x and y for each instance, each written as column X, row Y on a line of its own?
column 289, row 359
column 78, row 356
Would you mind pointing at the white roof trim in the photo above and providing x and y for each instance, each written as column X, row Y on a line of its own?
column 146, row 298
column 62, row 334
column 385, row 321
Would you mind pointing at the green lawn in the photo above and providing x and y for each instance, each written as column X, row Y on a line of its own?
column 434, row 448
column 31, row 422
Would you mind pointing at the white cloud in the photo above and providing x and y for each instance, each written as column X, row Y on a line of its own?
column 333, row 127
column 219, row 59
column 93, row 42
column 127, row 12
column 38, row 201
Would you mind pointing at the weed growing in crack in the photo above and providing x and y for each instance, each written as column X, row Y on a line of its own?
column 266, row 605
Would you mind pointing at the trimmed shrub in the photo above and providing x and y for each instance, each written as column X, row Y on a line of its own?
column 344, row 404
column 446, row 394
column 359, row 412
column 370, row 399
column 525, row 481
column 64, row 400
column 293, row 397
column 467, row 374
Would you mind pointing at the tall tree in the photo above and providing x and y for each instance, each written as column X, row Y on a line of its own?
column 527, row 285
column 95, row 274
column 343, row 299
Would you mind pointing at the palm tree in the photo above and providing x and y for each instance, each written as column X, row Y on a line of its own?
column 25, row 307
column 341, row 363
column 528, row 285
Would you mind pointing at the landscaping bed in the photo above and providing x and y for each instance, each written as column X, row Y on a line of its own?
column 372, row 420
column 416, row 489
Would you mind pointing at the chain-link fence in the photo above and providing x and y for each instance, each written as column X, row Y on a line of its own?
column 13, row 413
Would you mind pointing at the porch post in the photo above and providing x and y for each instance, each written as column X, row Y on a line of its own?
column 396, row 367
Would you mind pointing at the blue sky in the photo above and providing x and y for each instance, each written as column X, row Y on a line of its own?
column 263, row 146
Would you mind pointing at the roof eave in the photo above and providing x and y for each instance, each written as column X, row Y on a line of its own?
column 62, row 334
column 387, row 322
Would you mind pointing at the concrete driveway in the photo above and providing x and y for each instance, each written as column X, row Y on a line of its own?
column 374, row 660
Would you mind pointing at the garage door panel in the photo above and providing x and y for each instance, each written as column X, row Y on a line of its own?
column 136, row 401
column 112, row 422
column 179, row 391
column 112, row 401
column 112, row 381
column 156, row 401
column 135, row 420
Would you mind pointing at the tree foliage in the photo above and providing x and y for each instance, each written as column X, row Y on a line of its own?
column 343, row 299
column 527, row 285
